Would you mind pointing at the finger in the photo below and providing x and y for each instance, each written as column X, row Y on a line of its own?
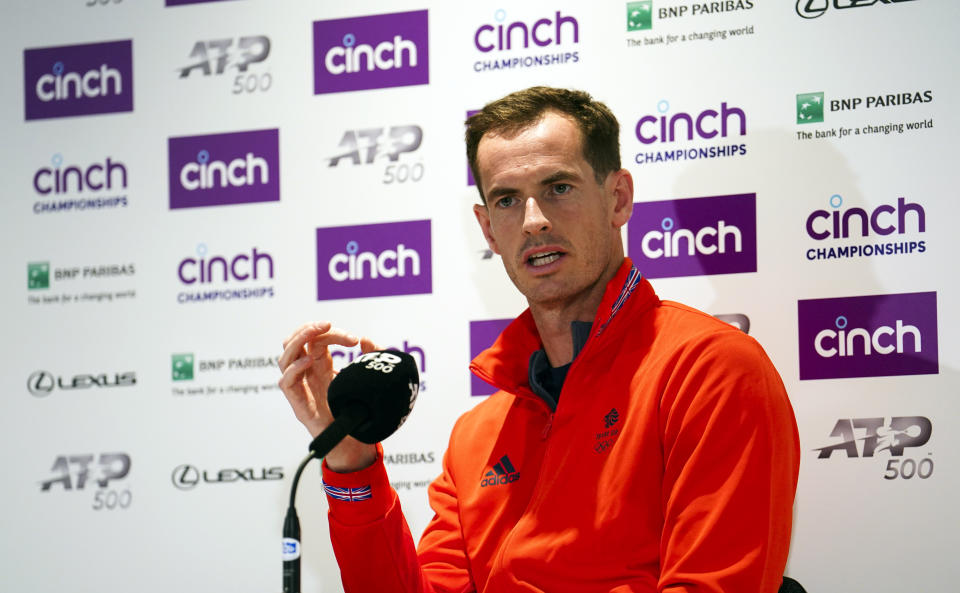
column 309, row 332
column 320, row 326
column 292, row 377
column 316, row 347
column 293, row 346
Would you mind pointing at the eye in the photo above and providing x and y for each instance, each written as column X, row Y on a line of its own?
column 506, row 202
column 561, row 188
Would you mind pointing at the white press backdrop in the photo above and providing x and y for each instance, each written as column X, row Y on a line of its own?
column 110, row 320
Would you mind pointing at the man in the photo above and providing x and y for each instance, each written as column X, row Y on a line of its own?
column 635, row 445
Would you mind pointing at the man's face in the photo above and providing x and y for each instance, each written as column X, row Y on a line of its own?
column 555, row 228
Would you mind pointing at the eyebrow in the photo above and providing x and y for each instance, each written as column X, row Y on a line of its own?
column 561, row 175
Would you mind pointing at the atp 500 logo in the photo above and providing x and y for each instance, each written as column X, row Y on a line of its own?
column 866, row 437
column 376, row 145
column 868, row 336
column 694, row 236
column 74, row 472
column 213, row 58
column 371, row 52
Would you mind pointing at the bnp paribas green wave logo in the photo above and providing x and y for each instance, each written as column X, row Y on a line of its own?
column 182, row 367
column 640, row 15
column 809, row 108
column 38, row 275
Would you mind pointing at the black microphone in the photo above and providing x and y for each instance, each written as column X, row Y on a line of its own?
column 370, row 399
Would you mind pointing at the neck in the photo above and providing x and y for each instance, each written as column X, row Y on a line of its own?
column 553, row 319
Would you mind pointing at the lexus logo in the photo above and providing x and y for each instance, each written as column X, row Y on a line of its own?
column 41, row 383
column 185, row 477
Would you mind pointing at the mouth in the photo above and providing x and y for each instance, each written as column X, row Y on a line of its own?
column 539, row 260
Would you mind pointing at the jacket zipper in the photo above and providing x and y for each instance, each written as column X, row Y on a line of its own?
column 497, row 564
column 546, row 429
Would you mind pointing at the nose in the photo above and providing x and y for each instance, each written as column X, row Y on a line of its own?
column 534, row 220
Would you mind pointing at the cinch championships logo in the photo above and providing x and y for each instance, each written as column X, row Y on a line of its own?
column 547, row 32
column 225, row 277
column 78, row 79
column 708, row 125
column 64, row 186
column 391, row 258
column 219, row 169
column 694, row 236
column 371, row 52
column 866, row 227
column 868, row 336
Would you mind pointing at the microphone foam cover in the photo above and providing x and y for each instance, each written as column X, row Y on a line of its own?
column 385, row 382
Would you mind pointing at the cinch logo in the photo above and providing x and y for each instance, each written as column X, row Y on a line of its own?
column 482, row 335
column 383, row 259
column 684, row 126
column 868, row 336
column 640, row 15
column 219, row 169
column 78, row 79
column 543, row 32
column 879, row 434
column 694, row 236
column 811, row 9
column 73, row 178
column 239, row 268
column 372, row 52
column 502, row 473
column 882, row 220
column 379, row 142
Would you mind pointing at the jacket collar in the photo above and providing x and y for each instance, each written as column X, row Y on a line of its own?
column 505, row 364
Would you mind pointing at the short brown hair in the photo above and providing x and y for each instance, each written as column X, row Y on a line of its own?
column 599, row 129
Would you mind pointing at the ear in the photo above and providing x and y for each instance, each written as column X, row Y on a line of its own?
column 621, row 187
column 483, row 219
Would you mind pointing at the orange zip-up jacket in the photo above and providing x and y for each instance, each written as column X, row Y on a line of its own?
column 669, row 465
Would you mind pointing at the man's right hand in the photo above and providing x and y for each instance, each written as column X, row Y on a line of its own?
column 307, row 369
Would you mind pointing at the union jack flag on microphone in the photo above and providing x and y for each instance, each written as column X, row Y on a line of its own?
column 348, row 494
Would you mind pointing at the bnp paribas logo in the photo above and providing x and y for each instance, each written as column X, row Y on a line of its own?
column 38, row 275
column 640, row 15
column 182, row 365
column 810, row 108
